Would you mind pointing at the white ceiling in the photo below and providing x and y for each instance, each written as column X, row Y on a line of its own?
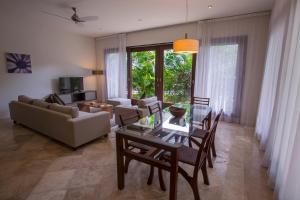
column 116, row 16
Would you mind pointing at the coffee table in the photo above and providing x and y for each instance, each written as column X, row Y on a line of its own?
column 88, row 106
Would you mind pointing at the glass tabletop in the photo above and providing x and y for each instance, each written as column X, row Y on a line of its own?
column 183, row 124
column 166, row 127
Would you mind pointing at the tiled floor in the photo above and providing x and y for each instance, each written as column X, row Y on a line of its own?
column 35, row 167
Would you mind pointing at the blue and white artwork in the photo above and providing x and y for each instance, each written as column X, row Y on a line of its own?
column 18, row 63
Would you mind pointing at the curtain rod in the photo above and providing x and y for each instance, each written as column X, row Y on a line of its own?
column 251, row 14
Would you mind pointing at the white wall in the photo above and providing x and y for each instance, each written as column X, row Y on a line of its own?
column 54, row 53
column 257, row 32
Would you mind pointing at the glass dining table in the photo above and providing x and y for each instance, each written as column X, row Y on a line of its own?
column 160, row 132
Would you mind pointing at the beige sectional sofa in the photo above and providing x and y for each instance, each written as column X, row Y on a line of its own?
column 64, row 123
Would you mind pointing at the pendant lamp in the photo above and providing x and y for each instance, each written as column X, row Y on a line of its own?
column 186, row 45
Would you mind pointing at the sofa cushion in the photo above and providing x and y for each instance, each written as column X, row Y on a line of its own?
column 40, row 103
column 82, row 114
column 25, row 99
column 143, row 103
column 69, row 110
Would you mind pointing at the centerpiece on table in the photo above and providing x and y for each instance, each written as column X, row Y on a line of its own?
column 177, row 111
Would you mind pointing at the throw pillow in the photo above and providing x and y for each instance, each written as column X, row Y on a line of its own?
column 69, row 110
column 25, row 99
column 40, row 103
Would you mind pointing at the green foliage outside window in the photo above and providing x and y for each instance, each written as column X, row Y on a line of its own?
column 176, row 80
column 143, row 74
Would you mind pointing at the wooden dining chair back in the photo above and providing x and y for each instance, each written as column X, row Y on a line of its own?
column 155, row 109
column 216, row 121
column 129, row 117
column 200, row 101
column 203, row 150
column 198, row 133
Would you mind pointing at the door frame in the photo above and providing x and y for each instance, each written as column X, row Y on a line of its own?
column 159, row 64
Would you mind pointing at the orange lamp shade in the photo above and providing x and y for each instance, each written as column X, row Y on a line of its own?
column 186, row 46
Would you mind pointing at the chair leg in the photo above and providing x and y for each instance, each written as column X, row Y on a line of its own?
column 150, row 178
column 194, row 185
column 126, row 166
column 204, row 174
column 190, row 143
column 214, row 149
column 210, row 164
column 161, row 180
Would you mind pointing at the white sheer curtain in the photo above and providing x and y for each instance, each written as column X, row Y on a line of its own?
column 272, row 72
column 116, row 68
column 279, row 112
column 227, row 47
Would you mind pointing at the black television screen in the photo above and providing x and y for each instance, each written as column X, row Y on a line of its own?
column 70, row 84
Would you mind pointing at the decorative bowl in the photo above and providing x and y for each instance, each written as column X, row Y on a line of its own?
column 176, row 111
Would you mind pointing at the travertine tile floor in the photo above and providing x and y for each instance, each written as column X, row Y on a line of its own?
column 35, row 167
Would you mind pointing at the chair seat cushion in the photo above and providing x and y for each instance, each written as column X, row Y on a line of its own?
column 199, row 133
column 187, row 155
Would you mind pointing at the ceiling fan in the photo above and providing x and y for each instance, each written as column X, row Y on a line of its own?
column 75, row 18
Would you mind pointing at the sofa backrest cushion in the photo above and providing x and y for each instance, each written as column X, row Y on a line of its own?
column 143, row 103
column 69, row 110
column 25, row 99
column 40, row 103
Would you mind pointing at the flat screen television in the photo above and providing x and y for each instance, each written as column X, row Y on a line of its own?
column 70, row 84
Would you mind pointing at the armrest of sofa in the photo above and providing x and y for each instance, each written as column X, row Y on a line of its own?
column 90, row 126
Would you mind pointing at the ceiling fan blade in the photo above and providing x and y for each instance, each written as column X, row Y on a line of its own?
column 89, row 18
column 56, row 15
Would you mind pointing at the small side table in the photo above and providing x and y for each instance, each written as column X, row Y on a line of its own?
column 87, row 107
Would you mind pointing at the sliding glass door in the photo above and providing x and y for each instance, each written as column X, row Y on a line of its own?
column 156, row 71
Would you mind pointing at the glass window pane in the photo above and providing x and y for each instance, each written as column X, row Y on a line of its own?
column 177, row 77
column 143, row 74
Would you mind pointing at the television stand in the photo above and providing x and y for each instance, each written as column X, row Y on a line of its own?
column 80, row 96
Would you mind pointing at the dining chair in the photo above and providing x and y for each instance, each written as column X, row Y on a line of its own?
column 127, row 119
column 194, row 157
column 199, row 133
column 155, row 109
column 201, row 101
column 156, row 146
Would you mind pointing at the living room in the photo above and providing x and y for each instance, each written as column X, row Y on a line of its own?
column 104, row 100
